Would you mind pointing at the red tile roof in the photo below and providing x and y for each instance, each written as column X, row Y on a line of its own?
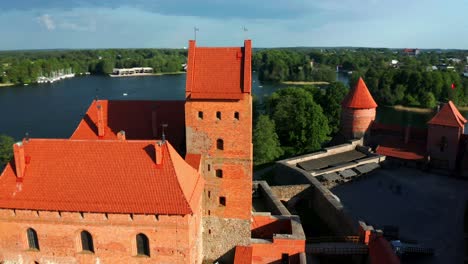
column 219, row 73
column 194, row 160
column 106, row 176
column 359, row 97
column 448, row 116
column 396, row 148
column 243, row 255
column 136, row 119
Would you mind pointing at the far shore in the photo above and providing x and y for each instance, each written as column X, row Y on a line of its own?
column 147, row 74
column 6, row 84
column 420, row 109
column 304, row 83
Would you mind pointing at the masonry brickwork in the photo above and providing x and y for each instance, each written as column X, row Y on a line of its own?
column 220, row 129
column 172, row 239
column 356, row 122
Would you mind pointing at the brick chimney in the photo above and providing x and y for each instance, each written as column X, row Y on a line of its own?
column 121, row 135
column 20, row 162
column 158, row 150
column 100, row 123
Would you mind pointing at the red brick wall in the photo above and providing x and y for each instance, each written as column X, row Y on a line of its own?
column 265, row 226
column 272, row 252
column 235, row 160
column 113, row 236
column 356, row 122
column 449, row 155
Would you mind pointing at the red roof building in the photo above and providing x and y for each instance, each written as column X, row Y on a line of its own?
column 358, row 111
column 218, row 118
column 448, row 116
column 445, row 130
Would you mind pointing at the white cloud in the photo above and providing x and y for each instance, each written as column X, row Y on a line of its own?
column 47, row 21
column 74, row 26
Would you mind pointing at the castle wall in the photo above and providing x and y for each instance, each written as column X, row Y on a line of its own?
column 114, row 237
column 356, row 122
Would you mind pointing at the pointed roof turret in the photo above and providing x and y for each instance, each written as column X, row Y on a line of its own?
column 448, row 116
column 359, row 97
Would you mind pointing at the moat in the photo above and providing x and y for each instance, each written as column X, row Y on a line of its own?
column 54, row 110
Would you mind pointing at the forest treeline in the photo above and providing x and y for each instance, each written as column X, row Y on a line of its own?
column 410, row 80
column 25, row 66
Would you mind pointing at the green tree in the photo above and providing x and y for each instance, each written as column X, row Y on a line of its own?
column 6, row 150
column 265, row 140
column 428, row 100
column 331, row 104
column 300, row 122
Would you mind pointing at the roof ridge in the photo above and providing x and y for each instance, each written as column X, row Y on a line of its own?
column 187, row 203
column 457, row 113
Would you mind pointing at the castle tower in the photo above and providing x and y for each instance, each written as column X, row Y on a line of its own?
column 218, row 116
column 358, row 111
column 443, row 136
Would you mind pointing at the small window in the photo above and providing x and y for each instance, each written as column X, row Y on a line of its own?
column 222, row 201
column 209, row 194
column 142, row 245
column 218, row 115
column 200, row 115
column 209, row 167
column 219, row 173
column 33, row 242
column 220, row 144
column 236, row 115
column 87, row 241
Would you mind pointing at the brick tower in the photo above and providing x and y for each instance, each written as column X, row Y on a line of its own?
column 443, row 136
column 218, row 116
column 358, row 111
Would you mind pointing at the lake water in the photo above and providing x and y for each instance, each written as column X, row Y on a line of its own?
column 54, row 110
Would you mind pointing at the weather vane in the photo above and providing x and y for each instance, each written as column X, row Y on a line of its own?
column 245, row 31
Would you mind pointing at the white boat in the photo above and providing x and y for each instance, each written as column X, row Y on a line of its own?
column 125, row 94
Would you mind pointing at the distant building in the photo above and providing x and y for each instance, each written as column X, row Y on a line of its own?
column 411, row 52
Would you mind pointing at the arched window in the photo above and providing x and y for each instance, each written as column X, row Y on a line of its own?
column 33, row 242
column 87, row 241
column 218, row 115
column 142, row 245
column 219, row 173
column 220, row 144
column 200, row 115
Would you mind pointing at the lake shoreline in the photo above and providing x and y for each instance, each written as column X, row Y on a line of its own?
column 304, row 83
column 6, row 84
column 147, row 74
column 421, row 109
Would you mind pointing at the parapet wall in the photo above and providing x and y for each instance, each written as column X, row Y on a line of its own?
column 325, row 152
column 272, row 202
column 324, row 202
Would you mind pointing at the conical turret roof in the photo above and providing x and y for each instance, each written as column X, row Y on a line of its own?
column 359, row 97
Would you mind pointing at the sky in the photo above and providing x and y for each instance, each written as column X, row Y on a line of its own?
column 81, row 24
